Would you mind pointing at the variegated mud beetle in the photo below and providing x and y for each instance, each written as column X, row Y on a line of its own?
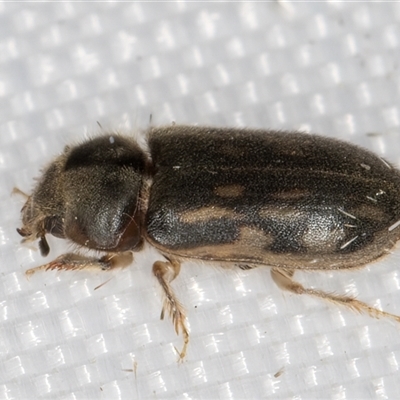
column 229, row 196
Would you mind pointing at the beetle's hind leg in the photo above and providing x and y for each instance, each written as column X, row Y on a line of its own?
column 283, row 278
column 166, row 272
column 73, row 262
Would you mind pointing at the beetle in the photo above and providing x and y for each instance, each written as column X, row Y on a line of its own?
column 287, row 200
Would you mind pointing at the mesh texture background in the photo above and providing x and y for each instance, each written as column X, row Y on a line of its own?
column 328, row 68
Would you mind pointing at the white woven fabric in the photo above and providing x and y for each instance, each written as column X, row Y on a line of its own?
column 330, row 68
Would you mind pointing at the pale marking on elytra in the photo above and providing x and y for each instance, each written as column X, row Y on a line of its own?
column 207, row 214
column 347, row 243
column 229, row 191
column 347, row 214
column 394, row 226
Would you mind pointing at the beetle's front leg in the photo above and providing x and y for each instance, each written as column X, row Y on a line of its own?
column 166, row 272
column 283, row 278
column 72, row 262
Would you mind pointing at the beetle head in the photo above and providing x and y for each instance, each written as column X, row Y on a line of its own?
column 90, row 194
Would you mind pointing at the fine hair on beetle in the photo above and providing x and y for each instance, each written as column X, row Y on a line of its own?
column 241, row 197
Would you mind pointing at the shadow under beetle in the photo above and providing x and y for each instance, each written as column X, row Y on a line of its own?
column 231, row 196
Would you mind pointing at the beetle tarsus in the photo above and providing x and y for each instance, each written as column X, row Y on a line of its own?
column 283, row 278
column 166, row 272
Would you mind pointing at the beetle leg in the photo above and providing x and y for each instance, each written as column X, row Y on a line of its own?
column 283, row 278
column 72, row 262
column 166, row 272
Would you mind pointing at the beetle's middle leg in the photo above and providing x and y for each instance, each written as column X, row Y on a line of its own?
column 166, row 272
column 283, row 278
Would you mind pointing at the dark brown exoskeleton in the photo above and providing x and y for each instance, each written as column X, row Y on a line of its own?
column 244, row 197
